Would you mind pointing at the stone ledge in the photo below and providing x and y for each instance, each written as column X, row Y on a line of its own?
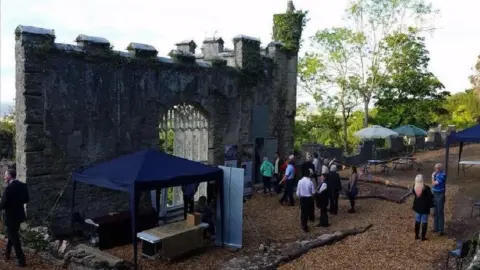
column 274, row 256
column 91, row 258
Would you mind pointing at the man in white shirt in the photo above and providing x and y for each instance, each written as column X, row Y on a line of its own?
column 289, row 178
column 305, row 192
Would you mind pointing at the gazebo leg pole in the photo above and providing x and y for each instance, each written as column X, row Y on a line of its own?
column 72, row 204
column 134, row 207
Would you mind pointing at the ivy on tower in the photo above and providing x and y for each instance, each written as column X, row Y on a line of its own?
column 288, row 27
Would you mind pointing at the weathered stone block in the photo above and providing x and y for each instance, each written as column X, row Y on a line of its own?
column 37, row 164
column 142, row 50
column 35, row 141
column 247, row 53
column 26, row 34
column 187, row 46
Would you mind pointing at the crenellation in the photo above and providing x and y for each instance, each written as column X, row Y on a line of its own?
column 187, row 46
column 274, row 47
column 247, row 53
column 229, row 56
column 25, row 33
column 212, row 46
column 182, row 57
column 142, row 50
column 91, row 42
column 247, row 38
column 67, row 48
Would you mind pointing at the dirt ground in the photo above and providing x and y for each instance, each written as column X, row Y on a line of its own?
column 389, row 244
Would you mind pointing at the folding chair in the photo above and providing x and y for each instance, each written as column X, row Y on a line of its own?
column 475, row 204
column 460, row 253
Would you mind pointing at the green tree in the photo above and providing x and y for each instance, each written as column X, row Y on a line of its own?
column 375, row 20
column 463, row 110
column 322, row 127
column 327, row 73
column 410, row 93
column 475, row 78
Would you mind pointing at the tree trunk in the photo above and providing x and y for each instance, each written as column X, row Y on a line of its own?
column 366, row 101
column 345, row 137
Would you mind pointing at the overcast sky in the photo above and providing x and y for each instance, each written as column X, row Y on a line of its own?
column 454, row 46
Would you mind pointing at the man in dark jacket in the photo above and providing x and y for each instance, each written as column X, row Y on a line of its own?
column 335, row 186
column 15, row 196
column 188, row 198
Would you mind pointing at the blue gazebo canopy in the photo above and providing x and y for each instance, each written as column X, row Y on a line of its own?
column 469, row 135
column 146, row 170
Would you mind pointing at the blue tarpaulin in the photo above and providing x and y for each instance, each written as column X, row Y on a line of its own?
column 144, row 171
column 469, row 135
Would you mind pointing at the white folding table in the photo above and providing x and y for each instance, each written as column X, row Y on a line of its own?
column 468, row 163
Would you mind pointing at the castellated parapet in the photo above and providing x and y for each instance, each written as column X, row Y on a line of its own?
column 78, row 105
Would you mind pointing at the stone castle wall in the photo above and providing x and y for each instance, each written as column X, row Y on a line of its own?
column 77, row 105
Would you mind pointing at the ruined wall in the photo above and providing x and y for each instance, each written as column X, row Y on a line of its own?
column 78, row 105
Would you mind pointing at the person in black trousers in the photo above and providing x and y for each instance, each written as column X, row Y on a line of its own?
column 277, row 176
column 15, row 196
column 305, row 192
column 322, row 200
column 308, row 170
column 422, row 203
column 335, row 187
column 289, row 178
column 188, row 198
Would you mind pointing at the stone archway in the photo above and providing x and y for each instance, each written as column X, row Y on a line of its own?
column 183, row 132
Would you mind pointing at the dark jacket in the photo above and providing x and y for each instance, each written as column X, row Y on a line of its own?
column 334, row 181
column 15, row 196
column 306, row 166
column 190, row 190
column 323, row 198
column 422, row 204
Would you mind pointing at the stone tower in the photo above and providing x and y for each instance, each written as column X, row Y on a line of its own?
column 287, row 29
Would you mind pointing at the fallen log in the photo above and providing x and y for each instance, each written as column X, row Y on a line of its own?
column 322, row 241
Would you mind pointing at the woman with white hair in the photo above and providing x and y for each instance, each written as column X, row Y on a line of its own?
column 422, row 202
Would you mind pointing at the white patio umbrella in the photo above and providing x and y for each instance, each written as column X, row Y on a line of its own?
column 375, row 132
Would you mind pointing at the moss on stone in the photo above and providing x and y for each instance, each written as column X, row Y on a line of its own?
column 288, row 28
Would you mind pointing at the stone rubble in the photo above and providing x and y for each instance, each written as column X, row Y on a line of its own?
column 270, row 257
column 85, row 257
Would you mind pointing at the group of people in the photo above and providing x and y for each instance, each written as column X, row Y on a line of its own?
column 319, row 186
column 426, row 198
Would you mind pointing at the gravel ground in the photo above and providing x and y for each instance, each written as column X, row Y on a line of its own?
column 389, row 244
column 34, row 262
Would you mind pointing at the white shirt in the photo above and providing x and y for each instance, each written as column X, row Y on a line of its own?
column 324, row 169
column 305, row 188
column 322, row 188
column 276, row 165
column 315, row 164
